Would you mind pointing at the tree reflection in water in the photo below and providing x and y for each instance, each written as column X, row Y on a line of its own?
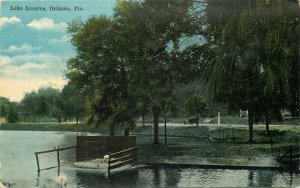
column 250, row 178
column 125, row 178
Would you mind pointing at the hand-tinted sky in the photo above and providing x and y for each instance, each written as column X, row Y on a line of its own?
column 34, row 45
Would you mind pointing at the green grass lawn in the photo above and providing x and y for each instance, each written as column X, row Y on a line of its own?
column 193, row 142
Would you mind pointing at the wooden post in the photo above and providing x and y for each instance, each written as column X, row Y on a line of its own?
column 219, row 124
column 38, row 164
column 58, row 160
column 232, row 134
column 272, row 144
column 165, row 131
column 291, row 153
column 108, row 169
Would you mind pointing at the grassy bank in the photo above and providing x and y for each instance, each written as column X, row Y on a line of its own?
column 191, row 144
column 48, row 126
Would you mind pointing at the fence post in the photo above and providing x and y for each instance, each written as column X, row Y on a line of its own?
column 38, row 164
column 291, row 153
column 58, row 161
column 165, row 130
column 272, row 144
column 232, row 134
column 108, row 169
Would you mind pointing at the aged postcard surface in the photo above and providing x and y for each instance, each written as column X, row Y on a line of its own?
column 149, row 93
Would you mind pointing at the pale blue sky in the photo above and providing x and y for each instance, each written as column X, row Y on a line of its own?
column 34, row 45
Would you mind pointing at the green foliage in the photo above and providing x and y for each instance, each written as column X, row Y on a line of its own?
column 9, row 110
column 4, row 107
column 44, row 102
column 196, row 105
column 254, row 51
column 12, row 116
column 122, row 63
column 71, row 101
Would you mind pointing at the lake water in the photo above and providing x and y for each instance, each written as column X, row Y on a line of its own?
column 19, row 169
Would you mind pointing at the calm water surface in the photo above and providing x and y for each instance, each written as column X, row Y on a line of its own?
column 18, row 168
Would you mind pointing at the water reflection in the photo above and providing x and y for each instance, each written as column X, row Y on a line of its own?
column 156, row 177
column 262, row 175
column 172, row 177
column 250, row 178
column 92, row 178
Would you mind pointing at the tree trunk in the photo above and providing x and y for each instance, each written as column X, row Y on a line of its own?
column 143, row 119
column 250, row 123
column 112, row 130
column 59, row 120
column 155, row 113
column 197, row 121
column 267, row 123
column 126, row 132
column 77, row 119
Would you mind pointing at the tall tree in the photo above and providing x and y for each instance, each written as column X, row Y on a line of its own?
column 72, row 101
column 127, row 56
column 29, row 104
column 254, row 44
column 153, row 30
column 100, row 72
column 4, row 107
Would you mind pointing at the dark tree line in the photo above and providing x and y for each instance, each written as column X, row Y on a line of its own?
column 46, row 103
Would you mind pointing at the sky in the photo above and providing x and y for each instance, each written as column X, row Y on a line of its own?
column 34, row 44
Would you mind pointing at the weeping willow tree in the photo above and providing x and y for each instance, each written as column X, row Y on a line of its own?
column 252, row 52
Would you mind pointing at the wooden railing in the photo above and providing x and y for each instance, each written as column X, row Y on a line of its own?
column 57, row 150
column 290, row 157
column 121, row 158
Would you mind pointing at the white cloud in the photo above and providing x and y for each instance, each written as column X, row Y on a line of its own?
column 28, row 72
column 63, row 40
column 24, row 47
column 27, row 66
column 38, row 59
column 23, row 72
column 46, row 23
column 9, row 20
column 5, row 60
